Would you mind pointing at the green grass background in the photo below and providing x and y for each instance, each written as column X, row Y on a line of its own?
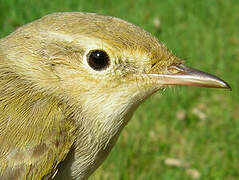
column 206, row 137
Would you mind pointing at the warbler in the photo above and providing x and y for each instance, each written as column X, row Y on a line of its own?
column 69, row 83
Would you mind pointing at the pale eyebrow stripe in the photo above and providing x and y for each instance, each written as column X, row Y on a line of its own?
column 88, row 43
column 60, row 36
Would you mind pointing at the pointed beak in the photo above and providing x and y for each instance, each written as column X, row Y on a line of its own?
column 186, row 76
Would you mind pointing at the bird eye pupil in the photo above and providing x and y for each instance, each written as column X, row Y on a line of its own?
column 98, row 60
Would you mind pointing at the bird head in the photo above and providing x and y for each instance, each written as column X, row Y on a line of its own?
column 106, row 64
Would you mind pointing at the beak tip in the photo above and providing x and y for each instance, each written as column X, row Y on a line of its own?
column 222, row 84
column 227, row 86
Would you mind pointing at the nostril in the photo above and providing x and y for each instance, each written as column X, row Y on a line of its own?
column 153, row 64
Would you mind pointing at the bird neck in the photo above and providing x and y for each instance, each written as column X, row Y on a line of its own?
column 96, row 134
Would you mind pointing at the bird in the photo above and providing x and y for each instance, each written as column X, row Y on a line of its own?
column 69, row 83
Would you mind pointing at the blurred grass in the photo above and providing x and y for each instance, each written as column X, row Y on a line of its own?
column 193, row 125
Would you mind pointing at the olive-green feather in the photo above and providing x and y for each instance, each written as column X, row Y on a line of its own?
column 35, row 133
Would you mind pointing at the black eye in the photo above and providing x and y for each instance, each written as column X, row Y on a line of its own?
column 98, row 60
